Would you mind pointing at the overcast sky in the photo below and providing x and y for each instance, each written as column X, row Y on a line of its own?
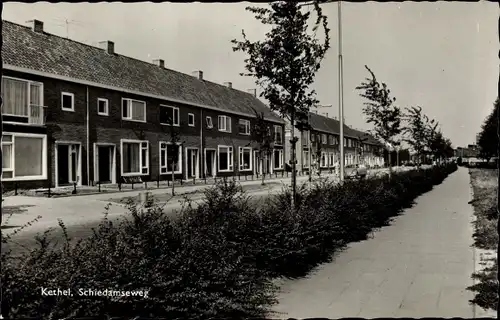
column 442, row 56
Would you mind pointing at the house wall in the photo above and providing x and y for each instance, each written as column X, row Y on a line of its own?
column 67, row 126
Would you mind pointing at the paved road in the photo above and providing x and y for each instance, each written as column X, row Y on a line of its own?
column 417, row 267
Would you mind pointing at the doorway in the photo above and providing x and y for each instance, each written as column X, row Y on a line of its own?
column 210, row 163
column 104, row 163
column 68, row 162
column 192, row 163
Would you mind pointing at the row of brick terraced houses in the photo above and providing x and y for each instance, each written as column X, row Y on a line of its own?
column 74, row 113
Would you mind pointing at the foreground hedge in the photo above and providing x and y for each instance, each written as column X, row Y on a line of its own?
column 217, row 259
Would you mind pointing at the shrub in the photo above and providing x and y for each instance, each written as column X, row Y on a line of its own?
column 216, row 259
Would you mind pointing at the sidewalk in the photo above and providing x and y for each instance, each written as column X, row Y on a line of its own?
column 419, row 266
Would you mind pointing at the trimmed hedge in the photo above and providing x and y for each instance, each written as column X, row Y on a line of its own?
column 217, row 259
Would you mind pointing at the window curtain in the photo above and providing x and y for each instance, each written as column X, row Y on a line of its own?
column 131, row 154
column 28, row 156
column 15, row 97
column 138, row 111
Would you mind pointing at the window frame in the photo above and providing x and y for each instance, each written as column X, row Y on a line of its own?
column 230, row 155
column 179, row 163
column 44, row 174
column 324, row 138
column 246, row 123
column 191, row 115
column 240, row 157
column 175, row 124
column 29, row 83
column 331, row 159
column 227, row 120
column 280, row 143
column 106, row 104
column 281, row 159
column 141, row 164
column 69, row 94
column 129, row 110
column 324, row 156
column 211, row 124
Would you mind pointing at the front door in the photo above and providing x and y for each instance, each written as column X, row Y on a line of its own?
column 192, row 163
column 104, row 163
column 210, row 163
column 68, row 159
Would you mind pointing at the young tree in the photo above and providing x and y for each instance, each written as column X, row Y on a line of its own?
column 261, row 134
column 489, row 136
column 173, row 134
column 381, row 111
column 418, row 131
column 285, row 62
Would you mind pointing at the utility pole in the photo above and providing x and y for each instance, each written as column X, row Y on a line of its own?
column 341, row 94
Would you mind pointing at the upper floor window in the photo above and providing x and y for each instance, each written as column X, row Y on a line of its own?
column 324, row 138
column 224, row 123
column 68, row 101
column 244, row 127
column 210, row 124
column 331, row 140
column 278, row 135
column 313, row 137
column 102, row 107
column 133, row 110
column 169, row 115
column 20, row 97
column 190, row 119
column 304, row 137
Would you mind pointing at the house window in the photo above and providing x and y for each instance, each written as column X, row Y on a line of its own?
column 210, row 124
column 190, row 119
column 324, row 138
column 324, row 159
column 102, row 107
column 278, row 135
column 331, row 140
column 313, row 137
column 68, row 101
column 245, row 159
column 304, row 137
column 19, row 96
column 135, row 157
column 133, row 110
column 331, row 159
column 305, row 158
column 225, row 158
column 224, row 124
column 278, row 159
column 24, row 156
column 244, row 127
column 169, row 115
column 345, row 142
column 170, row 158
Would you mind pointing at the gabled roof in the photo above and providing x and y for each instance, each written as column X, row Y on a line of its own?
column 54, row 55
column 329, row 125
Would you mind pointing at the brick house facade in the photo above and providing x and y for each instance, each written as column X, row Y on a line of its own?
column 104, row 121
column 359, row 147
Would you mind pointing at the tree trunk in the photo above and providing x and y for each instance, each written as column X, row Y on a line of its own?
column 294, row 165
column 173, row 179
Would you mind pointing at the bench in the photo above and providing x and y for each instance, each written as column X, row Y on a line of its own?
column 130, row 180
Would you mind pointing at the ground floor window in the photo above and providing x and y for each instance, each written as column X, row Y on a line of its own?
column 24, row 156
column 170, row 158
column 278, row 159
column 324, row 159
column 135, row 157
column 245, row 159
column 331, row 159
column 305, row 158
column 225, row 158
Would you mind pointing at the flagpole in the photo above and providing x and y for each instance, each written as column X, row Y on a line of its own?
column 341, row 94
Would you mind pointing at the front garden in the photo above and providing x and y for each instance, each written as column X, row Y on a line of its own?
column 216, row 259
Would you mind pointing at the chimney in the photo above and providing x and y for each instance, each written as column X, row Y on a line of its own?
column 36, row 25
column 228, row 84
column 198, row 74
column 159, row 62
column 253, row 92
column 109, row 46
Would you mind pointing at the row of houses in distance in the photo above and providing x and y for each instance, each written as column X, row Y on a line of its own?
column 78, row 113
column 320, row 146
column 74, row 113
